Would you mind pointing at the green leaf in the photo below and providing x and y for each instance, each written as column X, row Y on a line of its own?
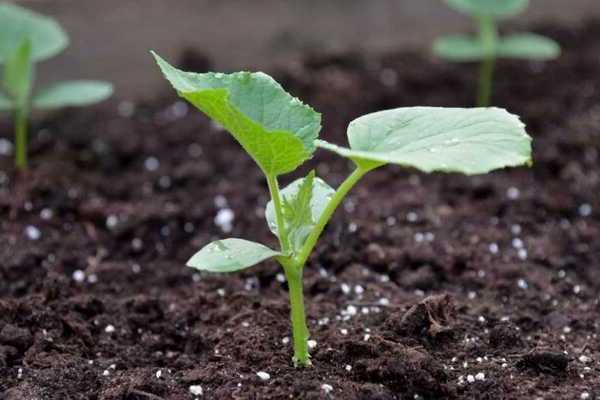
column 276, row 129
column 6, row 104
column 528, row 46
column 72, row 94
column 18, row 23
column 230, row 255
column 468, row 141
column 495, row 8
column 304, row 200
column 459, row 48
column 18, row 73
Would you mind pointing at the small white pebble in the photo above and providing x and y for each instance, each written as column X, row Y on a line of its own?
column 584, row 359
column 327, row 388
column 158, row 374
column 32, row 232
column 106, row 372
column 6, row 147
column 567, row 329
column 312, row 344
column 285, row 340
column 513, row 193
column 196, row 390
column 584, row 396
column 480, row 376
column 345, row 288
column 46, row 214
column 348, row 367
column 112, row 221
column 522, row 283
column 412, row 216
column 109, row 329
column 493, row 247
column 367, row 337
column 151, row 163
column 383, row 302
column 585, row 210
column 280, row 278
column 221, row 292
column 19, row 373
column 470, row 378
column 224, row 219
column 344, row 331
column 359, row 289
column 265, row 376
column 517, row 243
column 522, row 253
column 78, row 275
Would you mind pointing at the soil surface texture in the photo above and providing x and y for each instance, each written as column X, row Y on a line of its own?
column 422, row 287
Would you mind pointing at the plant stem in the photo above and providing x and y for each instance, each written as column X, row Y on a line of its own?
column 486, row 77
column 276, row 197
column 299, row 329
column 21, row 138
column 488, row 36
column 294, row 266
column 335, row 201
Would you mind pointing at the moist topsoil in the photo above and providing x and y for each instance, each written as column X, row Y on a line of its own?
column 422, row 287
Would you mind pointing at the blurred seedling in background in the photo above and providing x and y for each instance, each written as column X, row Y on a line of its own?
column 25, row 39
column 280, row 133
column 488, row 45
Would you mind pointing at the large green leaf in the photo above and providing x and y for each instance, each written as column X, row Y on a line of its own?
column 528, row 46
column 276, row 129
column 495, row 8
column 460, row 48
column 230, row 255
column 303, row 203
column 6, row 104
column 72, row 94
column 18, row 73
column 18, row 23
column 469, row 141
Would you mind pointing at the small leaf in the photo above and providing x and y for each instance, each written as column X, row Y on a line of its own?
column 528, row 46
column 72, row 94
column 469, row 141
column 6, row 104
column 18, row 73
column 303, row 203
column 495, row 8
column 459, row 48
column 18, row 23
column 276, row 129
column 230, row 255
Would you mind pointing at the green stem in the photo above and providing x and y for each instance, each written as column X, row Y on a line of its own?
column 299, row 329
column 294, row 266
column 488, row 36
column 333, row 204
column 21, row 138
column 276, row 197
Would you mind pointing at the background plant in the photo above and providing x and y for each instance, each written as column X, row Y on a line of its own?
column 280, row 133
column 25, row 39
column 488, row 45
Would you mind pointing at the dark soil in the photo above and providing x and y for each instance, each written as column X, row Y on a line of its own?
column 423, row 286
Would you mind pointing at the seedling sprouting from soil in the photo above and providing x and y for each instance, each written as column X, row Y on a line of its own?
column 280, row 133
column 26, row 38
column 488, row 45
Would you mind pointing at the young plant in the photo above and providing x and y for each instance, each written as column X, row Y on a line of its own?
column 488, row 45
column 280, row 133
column 26, row 38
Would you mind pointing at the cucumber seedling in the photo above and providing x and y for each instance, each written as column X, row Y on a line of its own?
column 280, row 133
column 26, row 38
column 488, row 46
